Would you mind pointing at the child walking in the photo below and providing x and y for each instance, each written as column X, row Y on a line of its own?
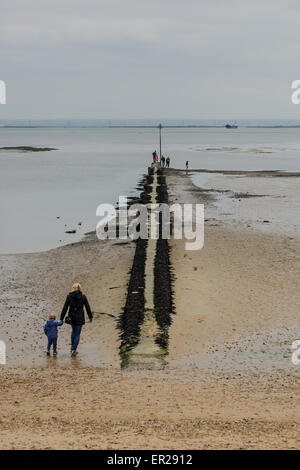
column 50, row 330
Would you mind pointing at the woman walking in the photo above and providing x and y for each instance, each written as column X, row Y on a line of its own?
column 74, row 306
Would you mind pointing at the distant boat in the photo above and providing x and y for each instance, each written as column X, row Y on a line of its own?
column 232, row 126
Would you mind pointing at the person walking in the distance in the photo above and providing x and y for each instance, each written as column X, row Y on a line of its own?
column 75, row 303
column 163, row 161
column 168, row 162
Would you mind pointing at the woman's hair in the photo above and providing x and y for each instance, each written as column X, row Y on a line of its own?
column 76, row 286
column 52, row 316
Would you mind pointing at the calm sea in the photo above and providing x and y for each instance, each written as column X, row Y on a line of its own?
column 44, row 194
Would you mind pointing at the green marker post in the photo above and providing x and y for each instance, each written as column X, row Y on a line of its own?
column 160, row 128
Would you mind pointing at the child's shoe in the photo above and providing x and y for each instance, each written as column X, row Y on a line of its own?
column 54, row 353
column 48, row 353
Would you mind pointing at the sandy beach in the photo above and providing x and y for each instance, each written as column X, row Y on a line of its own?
column 229, row 381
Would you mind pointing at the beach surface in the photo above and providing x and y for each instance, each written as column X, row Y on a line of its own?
column 229, row 381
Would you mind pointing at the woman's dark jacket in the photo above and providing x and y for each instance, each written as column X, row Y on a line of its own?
column 74, row 306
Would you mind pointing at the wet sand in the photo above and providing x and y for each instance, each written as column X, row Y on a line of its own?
column 229, row 382
column 36, row 285
column 264, row 201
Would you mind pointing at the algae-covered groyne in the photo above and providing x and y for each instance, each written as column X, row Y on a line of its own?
column 147, row 313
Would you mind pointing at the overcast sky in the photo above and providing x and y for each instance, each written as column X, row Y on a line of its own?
column 149, row 58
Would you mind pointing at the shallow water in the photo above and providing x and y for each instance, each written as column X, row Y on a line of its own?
column 267, row 204
column 96, row 165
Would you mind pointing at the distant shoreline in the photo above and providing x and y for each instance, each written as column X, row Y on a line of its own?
column 24, row 148
column 148, row 127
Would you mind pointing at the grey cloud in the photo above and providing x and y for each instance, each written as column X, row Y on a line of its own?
column 198, row 58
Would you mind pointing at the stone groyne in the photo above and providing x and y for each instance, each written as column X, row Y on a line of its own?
column 147, row 314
